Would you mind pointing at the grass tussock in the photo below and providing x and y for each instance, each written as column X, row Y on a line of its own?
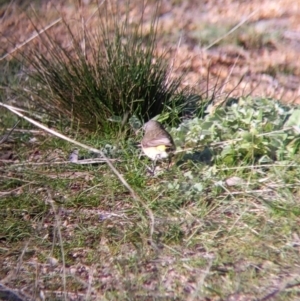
column 104, row 75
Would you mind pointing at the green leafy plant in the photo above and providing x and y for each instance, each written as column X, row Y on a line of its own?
column 247, row 131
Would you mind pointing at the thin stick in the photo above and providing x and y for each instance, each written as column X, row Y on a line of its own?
column 79, row 162
column 121, row 178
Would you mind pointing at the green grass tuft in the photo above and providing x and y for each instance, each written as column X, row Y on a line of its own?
column 117, row 74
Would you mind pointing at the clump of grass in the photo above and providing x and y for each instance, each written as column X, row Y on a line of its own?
column 116, row 75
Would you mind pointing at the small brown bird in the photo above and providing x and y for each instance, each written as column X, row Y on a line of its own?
column 157, row 143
